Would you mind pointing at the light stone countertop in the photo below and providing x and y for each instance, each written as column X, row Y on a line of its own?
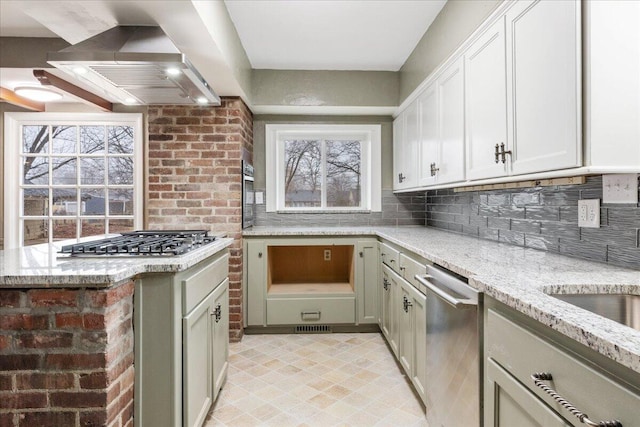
column 41, row 266
column 516, row 276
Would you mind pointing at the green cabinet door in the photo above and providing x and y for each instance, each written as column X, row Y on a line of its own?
column 405, row 325
column 419, row 338
column 385, row 302
column 366, row 281
column 220, row 335
column 508, row 403
column 256, row 282
column 197, row 380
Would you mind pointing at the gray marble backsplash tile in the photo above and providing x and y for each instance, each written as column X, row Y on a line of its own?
column 543, row 218
column 400, row 209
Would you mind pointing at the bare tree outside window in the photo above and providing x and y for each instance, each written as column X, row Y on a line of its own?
column 343, row 173
column 303, row 173
column 305, row 185
column 58, row 161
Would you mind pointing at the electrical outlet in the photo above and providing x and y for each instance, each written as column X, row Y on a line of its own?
column 589, row 213
column 620, row 188
column 327, row 254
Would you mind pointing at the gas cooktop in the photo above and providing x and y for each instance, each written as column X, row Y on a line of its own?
column 142, row 243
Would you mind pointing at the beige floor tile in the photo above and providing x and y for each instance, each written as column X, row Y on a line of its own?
column 323, row 380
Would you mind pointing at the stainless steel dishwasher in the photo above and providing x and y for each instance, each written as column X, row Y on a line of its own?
column 454, row 328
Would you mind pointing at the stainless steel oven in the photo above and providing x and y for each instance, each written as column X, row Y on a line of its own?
column 248, row 196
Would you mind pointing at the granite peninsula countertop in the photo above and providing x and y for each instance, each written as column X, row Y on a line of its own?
column 518, row 277
column 41, row 266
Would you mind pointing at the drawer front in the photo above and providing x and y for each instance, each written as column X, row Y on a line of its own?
column 296, row 311
column 390, row 257
column 523, row 353
column 202, row 281
column 409, row 268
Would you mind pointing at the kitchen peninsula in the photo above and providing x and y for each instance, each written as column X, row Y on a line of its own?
column 67, row 332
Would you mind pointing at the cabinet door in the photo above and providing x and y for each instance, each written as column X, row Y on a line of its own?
column 256, row 280
column 220, row 335
column 197, row 362
column 367, row 281
column 405, row 150
column 419, row 355
column 405, row 324
column 544, row 67
column 485, row 102
column 450, row 162
column 386, row 306
column 508, row 403
column 398, row 141
column 429, row 137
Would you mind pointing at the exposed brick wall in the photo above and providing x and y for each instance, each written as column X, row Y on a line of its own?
column 194, row 177
column 66, row 357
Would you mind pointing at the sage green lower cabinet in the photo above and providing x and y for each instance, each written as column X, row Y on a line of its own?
column 517, row 347
column 220, row 336
column 310, row 280
column 390, row 308
column 412, row 347
column 182, row 340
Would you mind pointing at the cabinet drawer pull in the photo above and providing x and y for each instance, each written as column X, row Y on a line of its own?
column 538, row 377
column 406, row 304
column 310, row 315
column 385, row 284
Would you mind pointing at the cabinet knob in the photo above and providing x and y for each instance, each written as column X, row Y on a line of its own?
column 259, row 254
column 361, row 254
column 401, row 177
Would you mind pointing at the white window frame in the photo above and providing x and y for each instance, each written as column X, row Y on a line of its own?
column 370, row 137
column 13, row 232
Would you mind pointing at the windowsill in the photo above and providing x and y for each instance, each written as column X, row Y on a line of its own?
column 325, row 211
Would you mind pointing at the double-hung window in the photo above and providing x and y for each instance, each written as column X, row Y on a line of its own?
column 323, row 168
column 71, row 175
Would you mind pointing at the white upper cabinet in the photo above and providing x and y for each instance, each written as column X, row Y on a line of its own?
column 509, row 101
column 429, row 135
column 612, row 85
column 450, row 165
column 486, row 103
column 544, row 94
column 405, row 153
column 523, row 91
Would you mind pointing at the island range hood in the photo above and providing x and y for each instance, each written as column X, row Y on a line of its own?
column 135, row 65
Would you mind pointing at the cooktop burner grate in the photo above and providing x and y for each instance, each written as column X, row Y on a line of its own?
column 145, row 242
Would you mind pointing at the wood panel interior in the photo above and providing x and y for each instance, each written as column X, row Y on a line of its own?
column 303, row 269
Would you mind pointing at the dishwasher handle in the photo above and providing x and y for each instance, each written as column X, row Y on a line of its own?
column 456, row 302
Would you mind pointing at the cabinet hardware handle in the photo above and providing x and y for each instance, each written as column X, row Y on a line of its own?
column 385, row 284
column 259, row 254
column 403, row 268
column 504, row 153
column 401, row 177
column 538, row 377
column 217, row 313
column 393, row 260
column 406, row 304
column 434, row 169
column 496, row 153
column 361, row 254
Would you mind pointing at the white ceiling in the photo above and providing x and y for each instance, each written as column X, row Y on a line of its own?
column 281, row 34
column 331, row 34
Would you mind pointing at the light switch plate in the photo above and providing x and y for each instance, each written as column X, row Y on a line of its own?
column 259, row 198
column 620, row 188
column 589, row 213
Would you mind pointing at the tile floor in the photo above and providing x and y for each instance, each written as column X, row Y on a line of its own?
column 315, row 380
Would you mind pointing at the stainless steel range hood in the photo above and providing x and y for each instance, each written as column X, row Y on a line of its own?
column 135, row 65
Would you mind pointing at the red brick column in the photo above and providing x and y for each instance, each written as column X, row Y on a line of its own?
column 194, row 177
column 66, row 357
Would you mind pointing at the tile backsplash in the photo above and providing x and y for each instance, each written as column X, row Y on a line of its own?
column 544, row 218
column 397, row 209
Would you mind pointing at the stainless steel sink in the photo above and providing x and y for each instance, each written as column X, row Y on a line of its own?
column 622, row 308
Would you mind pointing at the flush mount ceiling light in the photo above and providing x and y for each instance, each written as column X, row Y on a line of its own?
column 36, row 93
column 173, row 71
